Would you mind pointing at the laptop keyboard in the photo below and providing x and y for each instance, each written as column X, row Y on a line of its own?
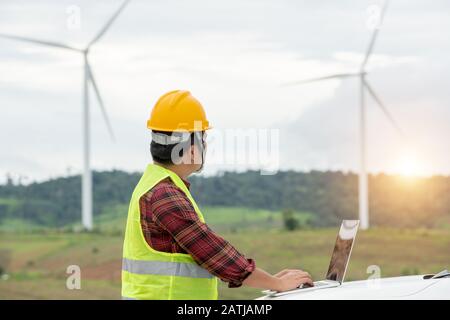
column 316, row 284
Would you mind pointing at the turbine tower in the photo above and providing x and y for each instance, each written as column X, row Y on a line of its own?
column 363, row 192
column 86, row 198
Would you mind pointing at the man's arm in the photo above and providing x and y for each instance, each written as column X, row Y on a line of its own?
column 172, row 211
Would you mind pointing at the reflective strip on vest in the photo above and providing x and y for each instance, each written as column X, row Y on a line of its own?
column 191, row 270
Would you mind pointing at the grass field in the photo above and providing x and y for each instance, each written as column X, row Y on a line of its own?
column 38, row 261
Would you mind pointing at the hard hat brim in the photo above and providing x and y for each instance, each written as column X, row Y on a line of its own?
column 165, row 129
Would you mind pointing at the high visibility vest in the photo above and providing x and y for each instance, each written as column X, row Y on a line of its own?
column 151, row 274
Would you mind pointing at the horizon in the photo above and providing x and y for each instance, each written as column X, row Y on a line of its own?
column 20, row 181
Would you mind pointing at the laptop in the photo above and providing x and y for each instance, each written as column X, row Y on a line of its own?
column 338, row 263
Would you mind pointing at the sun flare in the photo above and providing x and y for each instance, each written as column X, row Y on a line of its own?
column 409, row 164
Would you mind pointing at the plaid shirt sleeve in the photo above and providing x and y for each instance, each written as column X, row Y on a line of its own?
column 172, row 211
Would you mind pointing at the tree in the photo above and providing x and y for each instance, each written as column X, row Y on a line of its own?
column 290, row 221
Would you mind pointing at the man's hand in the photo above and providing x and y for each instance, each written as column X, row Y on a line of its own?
column 289, row 279
column 283, row 272
column 285, row 280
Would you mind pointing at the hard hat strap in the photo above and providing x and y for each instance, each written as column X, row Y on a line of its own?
column 176, row 137
column 199, row 140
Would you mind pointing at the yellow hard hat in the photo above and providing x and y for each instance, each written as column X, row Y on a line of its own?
column 178, row 111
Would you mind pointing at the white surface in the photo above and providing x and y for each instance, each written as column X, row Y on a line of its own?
column 410, row 287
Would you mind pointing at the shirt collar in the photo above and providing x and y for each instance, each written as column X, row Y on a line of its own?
column 187, row 183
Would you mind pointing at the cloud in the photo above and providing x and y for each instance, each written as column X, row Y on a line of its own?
column 233, row 56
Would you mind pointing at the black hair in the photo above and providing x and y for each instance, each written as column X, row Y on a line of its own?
column 163, row 153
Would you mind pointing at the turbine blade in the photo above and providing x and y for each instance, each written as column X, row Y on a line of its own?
column 108, row 24
column 374, row 36
column 37, row 41
column 383, row 108
column 334, row 76
column 100, row 101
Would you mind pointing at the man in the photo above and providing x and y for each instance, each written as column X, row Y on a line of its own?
column 169, row 251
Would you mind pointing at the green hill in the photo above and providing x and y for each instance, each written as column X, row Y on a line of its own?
column 327, row 196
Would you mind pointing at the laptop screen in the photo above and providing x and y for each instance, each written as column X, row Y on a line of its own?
column 342, row 250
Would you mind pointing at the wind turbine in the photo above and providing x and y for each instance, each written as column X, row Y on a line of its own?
column 363, row 193
column 86, row 212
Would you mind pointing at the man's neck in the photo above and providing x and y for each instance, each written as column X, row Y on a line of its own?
column 180, row 170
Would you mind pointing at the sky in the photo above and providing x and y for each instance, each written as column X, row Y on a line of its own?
column 234, row 56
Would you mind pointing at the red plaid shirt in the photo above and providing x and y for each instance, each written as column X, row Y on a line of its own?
column 170, row 224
